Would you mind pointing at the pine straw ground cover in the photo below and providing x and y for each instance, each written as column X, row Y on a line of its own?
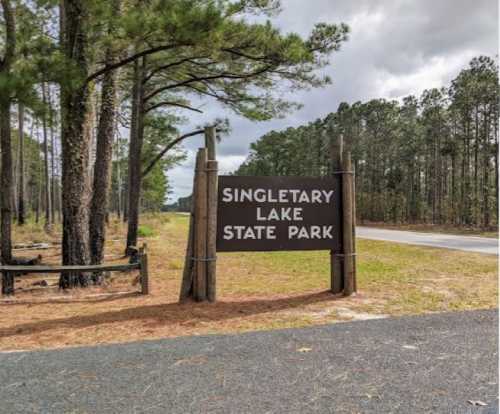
column 255, row 291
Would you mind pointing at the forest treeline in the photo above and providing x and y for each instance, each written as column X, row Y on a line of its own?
column 431, row 159
column 28, row 159
column 93, row 95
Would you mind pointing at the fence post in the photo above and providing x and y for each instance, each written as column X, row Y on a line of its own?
column 7, row 283
column 347, row 198
column 336, row 261
column 144, row 275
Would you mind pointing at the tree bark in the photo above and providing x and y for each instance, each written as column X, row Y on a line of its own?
column 125, row 204
column 6, row 190
column 119, row 190
column 48, row 198
column 6, row 181
column 495, row 152
column 21, row 190
column 134, row 156
column 75, row 147
column 52, row 157
column 39, row 177
column 102, row 168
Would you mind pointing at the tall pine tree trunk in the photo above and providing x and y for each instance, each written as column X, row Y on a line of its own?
column 125, row 203
column 75, row 146
column 6, row 190
column 6, row 181
column 52, row 157
column 134, row 156
column 103, row 163
column 47, row 187
column 102, row 170
column 453, row 189
column 15, row 180
column 39, row 177
column 486, row 173
column 495, row 151
column 21, row 191
column 476, row 202
column 119, row 192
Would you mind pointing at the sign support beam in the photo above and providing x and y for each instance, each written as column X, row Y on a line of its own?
column 336, row 261
column 347, row 213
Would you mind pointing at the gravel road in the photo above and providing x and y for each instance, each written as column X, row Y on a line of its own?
column 440, row 363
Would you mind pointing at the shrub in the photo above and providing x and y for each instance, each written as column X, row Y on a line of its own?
column 145, row 231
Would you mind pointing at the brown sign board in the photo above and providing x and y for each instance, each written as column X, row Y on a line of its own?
column 278, row 213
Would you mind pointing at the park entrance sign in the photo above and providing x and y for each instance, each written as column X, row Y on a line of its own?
column 235, row 214
column 278, row 213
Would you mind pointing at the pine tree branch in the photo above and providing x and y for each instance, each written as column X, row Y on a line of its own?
column 131, row 59
column 170, row 103
column 169, row 147
column 170, row 65
column 196, row 79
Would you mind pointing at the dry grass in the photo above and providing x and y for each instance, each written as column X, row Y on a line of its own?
column 255, row 291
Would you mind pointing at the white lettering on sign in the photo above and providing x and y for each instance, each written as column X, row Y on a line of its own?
column 283, row 196
column 249, row 232
column 328, row 195
column 227, row 195
column 312, row 232
column 280, row 214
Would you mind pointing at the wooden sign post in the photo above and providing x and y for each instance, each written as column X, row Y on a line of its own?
column 336, row 262
column 231, row 213
column 199, row 277
column 343, row 260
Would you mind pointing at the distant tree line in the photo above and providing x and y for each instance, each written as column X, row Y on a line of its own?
column 30, row 159
column 29, row 166
column 432, row 159
column 183, row 204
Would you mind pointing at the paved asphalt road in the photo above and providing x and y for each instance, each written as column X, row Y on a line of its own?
column 410, row 365
column 468, row 243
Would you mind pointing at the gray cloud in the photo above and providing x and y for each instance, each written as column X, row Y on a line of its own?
column 396, row 48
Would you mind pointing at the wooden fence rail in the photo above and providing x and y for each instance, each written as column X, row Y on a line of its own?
column 9, row 271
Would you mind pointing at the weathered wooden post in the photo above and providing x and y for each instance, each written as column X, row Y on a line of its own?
column 210, row 142
column 354, row 270
column 7, row 283
column 347, row 208
column 211, row 169
column 200, row 229
column 187, row 276
column 199, row 276
column 144, row 275
column 336, row 258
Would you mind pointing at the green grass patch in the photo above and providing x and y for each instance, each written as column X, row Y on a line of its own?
column 145, row 231
column 394, row 278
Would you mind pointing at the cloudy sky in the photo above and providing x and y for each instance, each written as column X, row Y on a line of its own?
column 396, row 48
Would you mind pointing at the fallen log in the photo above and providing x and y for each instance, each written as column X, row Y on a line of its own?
column 24, row 261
